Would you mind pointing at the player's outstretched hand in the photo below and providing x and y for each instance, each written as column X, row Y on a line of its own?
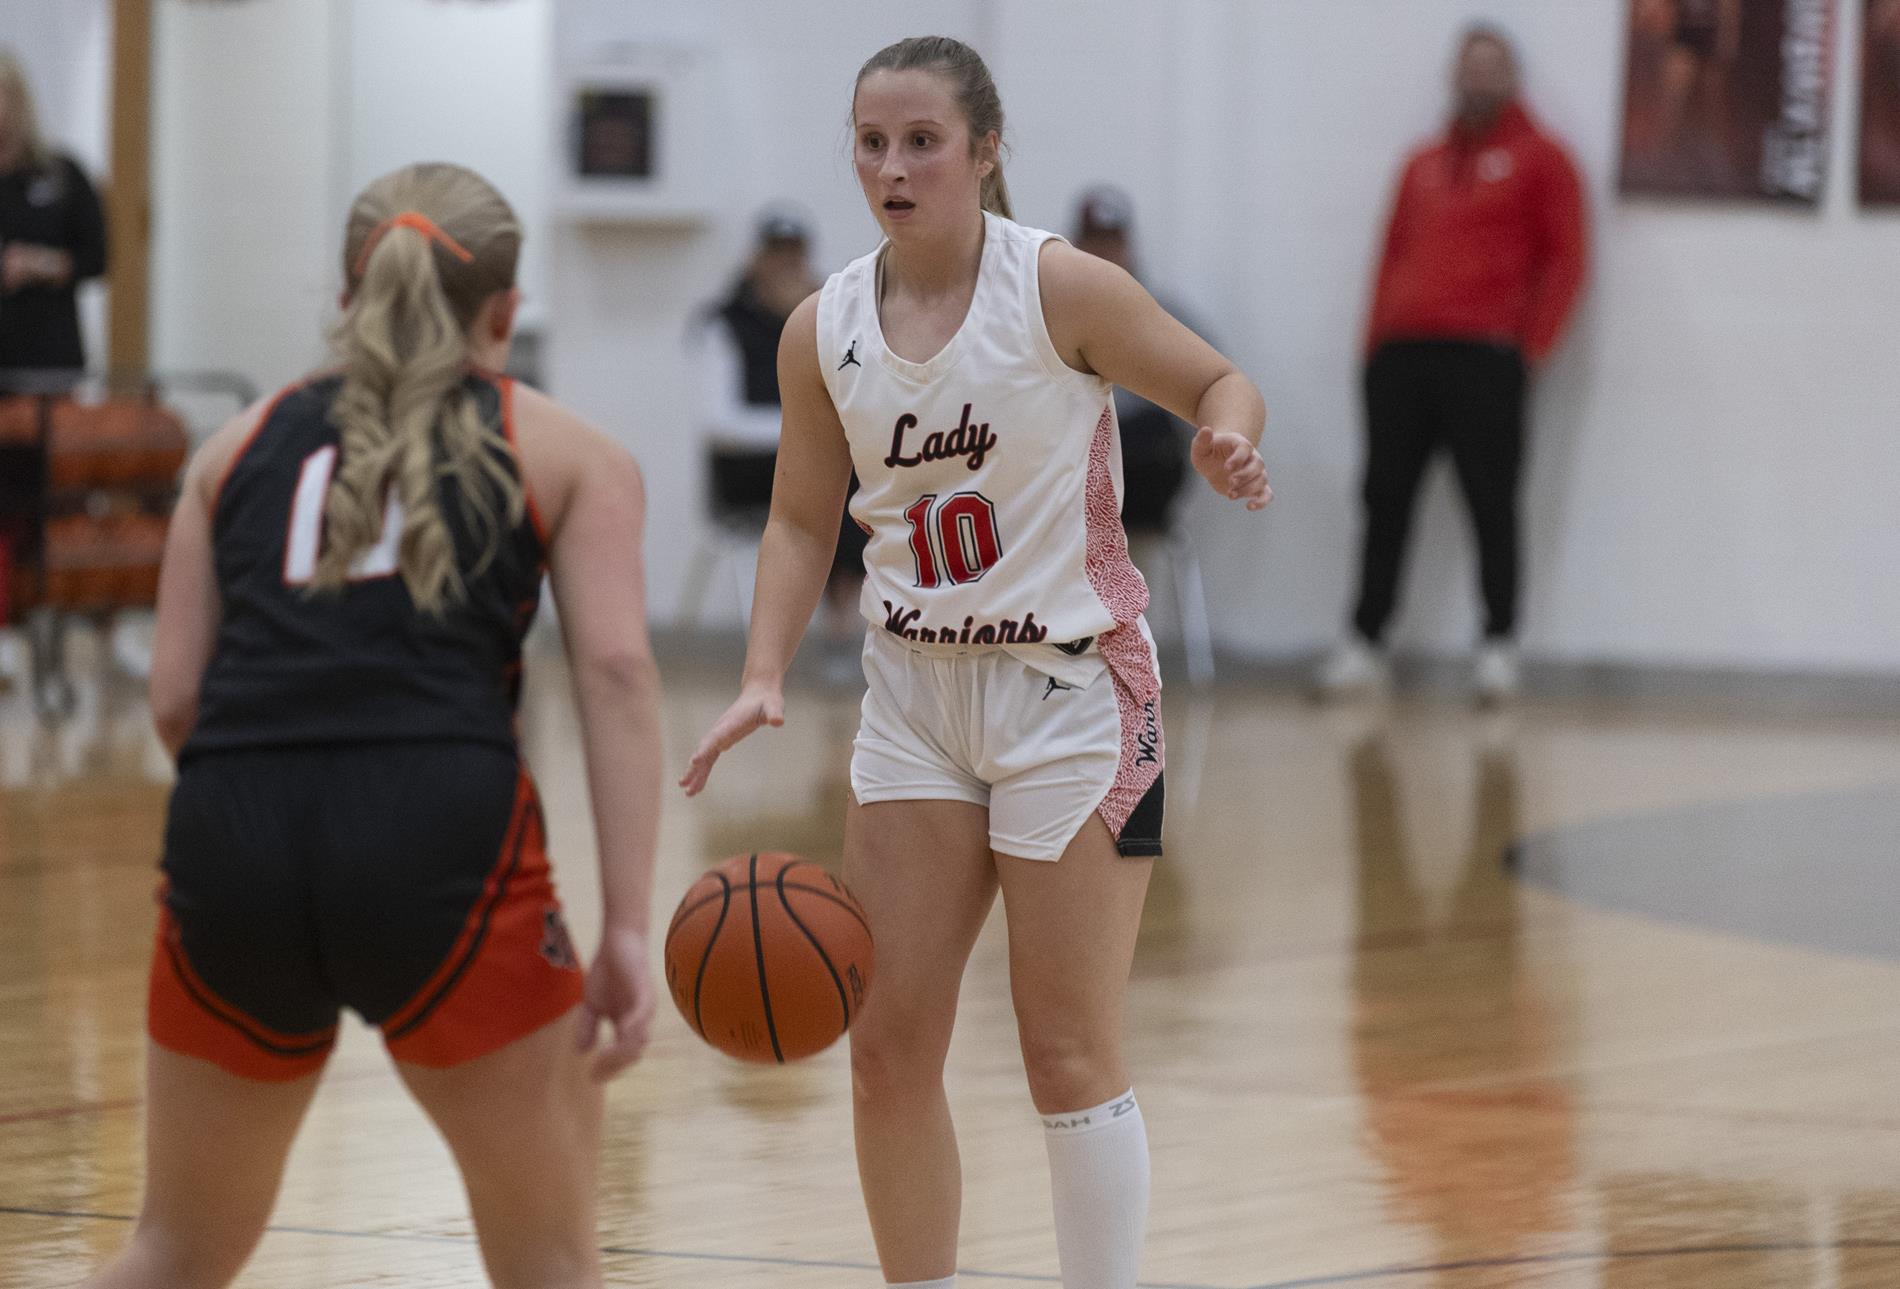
column 618, row 994
column 1232, row 467
column 757, row 705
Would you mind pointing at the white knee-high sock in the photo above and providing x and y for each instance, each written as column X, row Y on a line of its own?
column 1098, row 1170
column 948, row 1282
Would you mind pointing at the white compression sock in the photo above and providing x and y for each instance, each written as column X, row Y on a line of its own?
column 948, row 1282
column 1098, row 1170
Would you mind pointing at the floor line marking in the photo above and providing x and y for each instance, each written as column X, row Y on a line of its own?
column 612, row 1250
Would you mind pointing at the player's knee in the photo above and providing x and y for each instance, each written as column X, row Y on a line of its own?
column 890, row 1062
column 1067, row 1067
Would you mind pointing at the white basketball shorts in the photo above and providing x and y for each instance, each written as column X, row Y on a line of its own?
column 1041, row 751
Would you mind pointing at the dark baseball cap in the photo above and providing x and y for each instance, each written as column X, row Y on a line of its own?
column 1103, row 209
column 783, row 224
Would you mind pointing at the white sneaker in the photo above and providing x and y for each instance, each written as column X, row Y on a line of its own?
column 1497, row 676
column 1354, row 669
column 130, row 643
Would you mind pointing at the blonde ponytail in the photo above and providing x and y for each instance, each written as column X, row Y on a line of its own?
column 995, row 193
column 427, row 247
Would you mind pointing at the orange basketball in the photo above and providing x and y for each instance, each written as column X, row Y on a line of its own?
column 769, row 958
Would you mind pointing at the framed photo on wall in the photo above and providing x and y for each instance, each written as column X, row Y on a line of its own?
column 1880, row 105
column 1728, row 98
column 636, row 123
column 613, row 133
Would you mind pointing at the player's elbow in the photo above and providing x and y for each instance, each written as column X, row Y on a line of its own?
column 618, row 670
column 802, row 525
column 174, row 712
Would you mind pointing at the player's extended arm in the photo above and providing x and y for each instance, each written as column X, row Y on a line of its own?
column 1102, row 320
column 598, row 573
column 190, row 608
column 801, row 536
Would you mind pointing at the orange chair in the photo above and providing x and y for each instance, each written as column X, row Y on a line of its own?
column 95, row 525
column 111, row 471
column 121, row 443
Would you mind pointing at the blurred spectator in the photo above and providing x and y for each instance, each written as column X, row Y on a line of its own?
column 733, row 349
column 52, row 237
column 1483, row 263
column 1154, row 442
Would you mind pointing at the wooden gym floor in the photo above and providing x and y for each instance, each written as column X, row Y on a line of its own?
column 1662, row 1053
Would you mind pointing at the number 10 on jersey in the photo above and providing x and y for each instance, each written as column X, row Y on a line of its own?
column 953, row 538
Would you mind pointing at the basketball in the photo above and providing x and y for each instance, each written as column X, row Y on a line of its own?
column 769, row 958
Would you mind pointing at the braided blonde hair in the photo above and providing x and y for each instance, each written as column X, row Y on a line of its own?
column 407, row 419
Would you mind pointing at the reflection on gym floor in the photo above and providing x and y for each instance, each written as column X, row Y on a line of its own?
column 1369, row 1053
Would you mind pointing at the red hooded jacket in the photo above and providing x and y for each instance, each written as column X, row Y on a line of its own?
column 1488, row 241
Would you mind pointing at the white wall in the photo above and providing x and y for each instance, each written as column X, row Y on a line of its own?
column 1707, row 483
column 1709, row 478
column 271, row 115
column 66, row 48
column 245, row 224
column 479, row 99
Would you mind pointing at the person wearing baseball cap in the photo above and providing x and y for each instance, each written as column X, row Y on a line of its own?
column 733, row 355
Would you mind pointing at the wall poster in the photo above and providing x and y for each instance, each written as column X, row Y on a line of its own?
column 1728, row 98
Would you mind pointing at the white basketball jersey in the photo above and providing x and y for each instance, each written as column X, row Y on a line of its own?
column 989, row 476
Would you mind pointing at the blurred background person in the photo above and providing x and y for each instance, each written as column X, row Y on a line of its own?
column 1484, row 259
column 52, row 238
column 733, row 354
column 1154, row 441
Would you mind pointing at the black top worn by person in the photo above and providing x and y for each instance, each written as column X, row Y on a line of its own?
column 52, row 205
column 294, row 667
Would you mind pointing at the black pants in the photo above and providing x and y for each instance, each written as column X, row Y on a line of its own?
column 1465, row 396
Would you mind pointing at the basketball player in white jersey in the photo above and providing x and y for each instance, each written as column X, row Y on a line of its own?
column 1011, row 735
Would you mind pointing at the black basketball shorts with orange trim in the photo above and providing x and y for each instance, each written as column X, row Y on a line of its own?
column 408, row 882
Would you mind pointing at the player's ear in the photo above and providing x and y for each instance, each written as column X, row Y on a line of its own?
column 499, row 313
column 988, row 154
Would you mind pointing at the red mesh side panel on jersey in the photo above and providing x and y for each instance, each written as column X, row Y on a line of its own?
column 1130, row 658
column 1116, row 580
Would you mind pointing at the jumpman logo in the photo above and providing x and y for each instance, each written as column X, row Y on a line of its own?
column 850, row 357
column 1054, row 685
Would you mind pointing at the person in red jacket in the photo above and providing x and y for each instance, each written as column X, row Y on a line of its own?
column 1483, row 263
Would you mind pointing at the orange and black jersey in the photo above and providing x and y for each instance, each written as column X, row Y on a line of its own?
column 293, row 666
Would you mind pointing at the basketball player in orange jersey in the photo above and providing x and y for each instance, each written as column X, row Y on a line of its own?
column 348, row 579
column 1011, row 734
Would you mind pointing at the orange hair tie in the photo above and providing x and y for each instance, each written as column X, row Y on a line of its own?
column 422, row 224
